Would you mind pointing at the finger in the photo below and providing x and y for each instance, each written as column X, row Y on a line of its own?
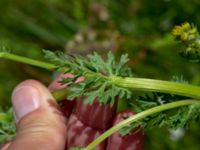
column 40, row 125
column 66, row 105
column 5, row 146
column 56, row 85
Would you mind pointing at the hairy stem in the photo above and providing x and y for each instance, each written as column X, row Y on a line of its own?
column 127, row 82
column 153, row 85
column 138, row 117
column 146, row 85
column 25, row 60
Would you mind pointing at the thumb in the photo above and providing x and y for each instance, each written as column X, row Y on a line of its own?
column 40, row 124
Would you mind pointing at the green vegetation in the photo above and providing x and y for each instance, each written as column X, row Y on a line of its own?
column 140, row 28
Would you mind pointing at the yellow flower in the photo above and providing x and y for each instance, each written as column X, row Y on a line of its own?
column 185, row 32
column 185, row 26
column 176, row 31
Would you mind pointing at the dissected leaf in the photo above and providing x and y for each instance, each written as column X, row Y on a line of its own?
column 7, row 126
column 95, row 69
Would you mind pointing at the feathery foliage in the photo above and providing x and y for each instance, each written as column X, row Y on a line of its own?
column 95, row 70
column 7, row 126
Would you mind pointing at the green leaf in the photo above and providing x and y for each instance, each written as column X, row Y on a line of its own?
column 7, row 125
column 95, row 70
column 174, row 119
column 130, row 129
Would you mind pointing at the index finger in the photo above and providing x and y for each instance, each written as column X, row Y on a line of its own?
column 56, row 85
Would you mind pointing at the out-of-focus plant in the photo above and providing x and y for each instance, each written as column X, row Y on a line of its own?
column 189, row 35
column 138, row 27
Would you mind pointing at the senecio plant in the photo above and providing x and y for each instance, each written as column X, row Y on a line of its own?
column 108, row 86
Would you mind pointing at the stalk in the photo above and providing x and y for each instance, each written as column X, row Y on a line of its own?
column 60, row 95
column 127, row 82
column 25, row 60
column 138, row 117
column 153, row 85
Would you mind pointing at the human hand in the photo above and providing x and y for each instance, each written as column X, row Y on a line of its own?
column 40, row 123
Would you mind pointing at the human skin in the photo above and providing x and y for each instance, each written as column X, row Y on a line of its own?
column 40, row 123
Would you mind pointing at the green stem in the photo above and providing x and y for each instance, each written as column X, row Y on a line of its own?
column 3, row 116
column 127, row 82
column 137, row 117
column 25, row 60
column 60, row 95
column 157, row 86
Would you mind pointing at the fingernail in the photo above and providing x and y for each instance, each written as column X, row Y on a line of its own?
column 25, row 99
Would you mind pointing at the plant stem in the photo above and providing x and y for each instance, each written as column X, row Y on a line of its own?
column 25, row 60
column 137, row 117
column 157, row 86
column 60, row 95
column 127, row 82
column 3, row 116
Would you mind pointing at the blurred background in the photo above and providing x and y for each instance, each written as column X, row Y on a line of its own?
column 141, row 28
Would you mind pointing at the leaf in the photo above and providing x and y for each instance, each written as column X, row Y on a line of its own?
column 123, row 60
column 52, row 57
column 95, row 70
column 128, row 129
column 7, row 125
column 173, row 119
